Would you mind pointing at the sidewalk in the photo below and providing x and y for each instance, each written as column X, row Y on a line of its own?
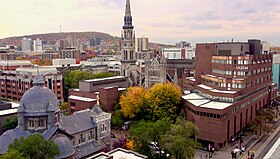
column 258, row 145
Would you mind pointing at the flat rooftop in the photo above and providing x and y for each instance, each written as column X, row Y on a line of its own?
column 13, row 110
column 215, row 90
column 200, row 101
column 82, row 98
column 104, row 79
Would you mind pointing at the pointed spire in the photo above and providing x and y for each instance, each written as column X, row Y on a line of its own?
column 127, row 8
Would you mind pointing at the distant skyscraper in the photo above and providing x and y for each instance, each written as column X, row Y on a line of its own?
column 127, row 42
column 26, row 44
column 142, row 44
column 95, row 41
column 37, row 45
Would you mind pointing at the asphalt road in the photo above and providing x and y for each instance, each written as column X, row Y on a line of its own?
column 268, row 147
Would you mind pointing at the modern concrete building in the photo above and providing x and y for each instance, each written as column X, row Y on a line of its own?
column 233, row 81
column 37, row 45
column 26, row 44
column 141, row 44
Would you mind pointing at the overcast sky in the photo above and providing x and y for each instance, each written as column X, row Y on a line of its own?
column 164, row 21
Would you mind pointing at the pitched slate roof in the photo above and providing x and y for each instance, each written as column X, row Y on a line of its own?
column 78, row 122
column 9, row 136
column 89, row 148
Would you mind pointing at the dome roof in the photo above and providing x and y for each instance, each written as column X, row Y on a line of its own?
column 65, row 147
column 38, row 99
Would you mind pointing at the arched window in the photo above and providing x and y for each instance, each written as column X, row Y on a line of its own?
column 103, row 128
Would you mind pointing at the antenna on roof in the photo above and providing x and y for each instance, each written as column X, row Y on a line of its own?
column 60, row 29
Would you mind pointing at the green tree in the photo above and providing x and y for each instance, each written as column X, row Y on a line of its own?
column 102, row 75
column 163, row 101
column 145, row 132
column 132, row 102
column 73, row 77
column 13, row 154
column 180, row 139
column 118, row 119
column 10, row 123
column 34, row 147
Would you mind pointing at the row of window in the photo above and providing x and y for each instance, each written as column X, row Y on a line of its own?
column 240, row 62
column 205, row 114
column 241, row 73
column 90, row 136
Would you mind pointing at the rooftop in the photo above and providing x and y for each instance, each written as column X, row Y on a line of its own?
column 82, row 98
column 103, row 79
column 199, row 101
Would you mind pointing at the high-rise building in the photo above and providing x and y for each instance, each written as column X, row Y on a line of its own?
column 37, row 45
column 142, row 44
column 95, row 41
column 128, row 56
column 233, row 82
column 26, row 44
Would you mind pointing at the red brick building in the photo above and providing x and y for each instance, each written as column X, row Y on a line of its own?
column 232, row 82
column 108, row 90
column 16, row 78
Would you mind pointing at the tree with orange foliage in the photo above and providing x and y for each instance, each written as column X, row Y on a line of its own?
column 132, row 102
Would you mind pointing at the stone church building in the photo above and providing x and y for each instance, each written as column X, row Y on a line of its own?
column 77, row 136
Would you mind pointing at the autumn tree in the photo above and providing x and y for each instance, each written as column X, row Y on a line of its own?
column 132, row 102
column 163, row 101
column 180, row 139
column 33, row 147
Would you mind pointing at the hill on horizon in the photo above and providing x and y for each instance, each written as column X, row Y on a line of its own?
column 53, row 37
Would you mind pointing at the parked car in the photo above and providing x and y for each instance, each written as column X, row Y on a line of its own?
column 126, row 125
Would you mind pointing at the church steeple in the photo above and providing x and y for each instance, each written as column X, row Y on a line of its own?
column 129, row 57
column 127, row 17
column 127, row 8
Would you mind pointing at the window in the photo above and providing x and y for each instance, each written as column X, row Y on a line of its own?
column 103, row 128
column 41, row 123
column 72, row 104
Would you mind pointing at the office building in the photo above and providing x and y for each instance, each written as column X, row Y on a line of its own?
column 37, row 45
column 26, row 44
column 233, row 81
column 142, row 44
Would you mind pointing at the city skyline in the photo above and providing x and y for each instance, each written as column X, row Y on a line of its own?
column 163, row 21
